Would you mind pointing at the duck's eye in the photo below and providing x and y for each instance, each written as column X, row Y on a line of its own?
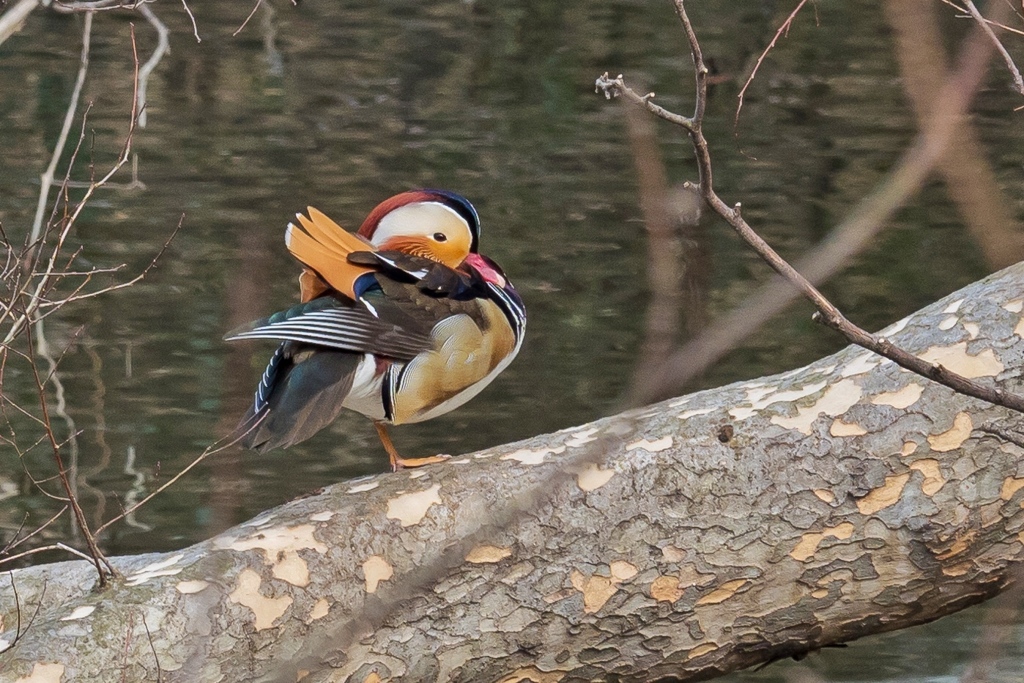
column 440, row 237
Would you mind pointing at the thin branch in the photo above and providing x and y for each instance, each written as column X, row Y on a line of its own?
column 15, row 542
column 253, row 12
column 152, row 648
column 98, row 558
column 213, row 449
column 614, row 87
column 783, row 30
column 953, row 101
column 991, row 22
column 163, row 45
column 46, row 280
column 1018, row 82
column 195, row 29
column 47, row 177
column 12, row 20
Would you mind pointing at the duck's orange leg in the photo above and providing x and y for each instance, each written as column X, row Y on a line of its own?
column 397, row 461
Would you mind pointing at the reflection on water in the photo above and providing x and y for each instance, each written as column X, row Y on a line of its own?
column 341, row 106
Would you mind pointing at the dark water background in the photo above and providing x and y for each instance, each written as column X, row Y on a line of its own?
column 340, row 105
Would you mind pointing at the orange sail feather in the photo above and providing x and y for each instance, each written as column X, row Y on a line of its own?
column 323, row 246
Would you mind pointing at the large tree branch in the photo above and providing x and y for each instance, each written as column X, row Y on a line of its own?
column 704, row 534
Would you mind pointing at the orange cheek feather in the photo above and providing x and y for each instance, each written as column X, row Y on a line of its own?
column 448, row 254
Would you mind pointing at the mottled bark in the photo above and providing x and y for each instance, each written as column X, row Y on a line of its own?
column 700, row 535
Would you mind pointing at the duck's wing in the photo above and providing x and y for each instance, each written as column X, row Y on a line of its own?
column 332, row 323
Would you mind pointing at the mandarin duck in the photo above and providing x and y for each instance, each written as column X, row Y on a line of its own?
column 402, row 322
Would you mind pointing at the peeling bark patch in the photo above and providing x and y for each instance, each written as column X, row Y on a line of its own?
column 156, row 569
column 666, row 589
column 861, row 365
column 840, row 428
column 581, row 438
column 948, row 323
column 79, row 613
column 190, row 587
column 972, row 329
column 933, row 479
column 292, row 568
column 701, row 650
column 487, row 554
column 1019, row 330
column 809, row 543
column 955, row 358
column 280, row 546
column 530, row 456
column 836, row 400
column 959, row 545
column 319, row 611
column 1015, row 306
column 825, row 495
column 532, row 673
column 909, row 448
column 953, row 307
column 411, row 508
column 265, row 610
column 819, row 593
column 622, row 570
column 562, row 595
column 1010, row 486
column 723, row 592
column 902, row 398
column 593, row 477
column 687, row 414
column 375, row 570
column 884, row 496
column 651, row 446
column 280, row 539
column 896, row 327
column 359, row 488
column 673, row 554
column 44, row 673
column 957, row 569
column 762, row 397
column 324, row 516
column 597, row 590
column 955, row 436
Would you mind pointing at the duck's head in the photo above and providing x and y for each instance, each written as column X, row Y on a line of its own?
column 435, row 224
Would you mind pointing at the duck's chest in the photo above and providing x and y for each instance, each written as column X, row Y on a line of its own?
column 470, row 348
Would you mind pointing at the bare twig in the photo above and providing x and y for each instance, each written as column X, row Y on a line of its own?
column 163, row 45
column 827, row 312
column 152, row 648
column 129, row 628
column 1018, row 82
column 15, row 542
column 195, row 29
column 12, row 20
column 253, row 12
column 46, row 179
column 98, row 557
column 783, row 30
column 47, row 277
column 969, row 177
column 212, row 449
